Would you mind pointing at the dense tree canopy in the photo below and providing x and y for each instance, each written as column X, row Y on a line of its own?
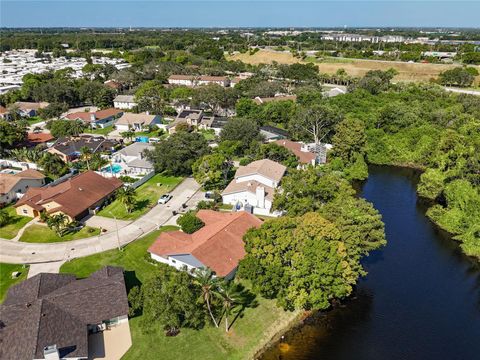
column 301, row 261
column 170, row 299
column 176, row 154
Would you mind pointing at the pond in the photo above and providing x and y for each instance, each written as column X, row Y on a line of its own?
column 420, row 299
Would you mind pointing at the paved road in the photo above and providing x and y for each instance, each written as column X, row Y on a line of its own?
column 28, row 253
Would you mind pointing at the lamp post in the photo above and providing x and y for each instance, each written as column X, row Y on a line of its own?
column 116, row 226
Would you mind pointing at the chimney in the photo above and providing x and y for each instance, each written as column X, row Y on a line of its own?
column 260, row 192
column 93, row 117
column 51, row 352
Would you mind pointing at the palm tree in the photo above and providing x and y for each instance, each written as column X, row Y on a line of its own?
column 20, row 154
column 231, row 297
column 128, row 135
column 86, row 154
column 126, row 195
column 4, row 217
column 58, row 223
column 77, row 127
column 209, row 286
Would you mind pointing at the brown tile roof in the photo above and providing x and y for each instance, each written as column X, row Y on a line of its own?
column 39, row 138
column 50, row 309
column 9, row 181
column 304, row 157
column 218, row 245
column 99, row 115
column 248, row 186
column 181, row 77
column 266, row 167
column 213, row 78
column 30, row 174
column 74, row 195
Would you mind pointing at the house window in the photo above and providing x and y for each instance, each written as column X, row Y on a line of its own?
column 25, row 211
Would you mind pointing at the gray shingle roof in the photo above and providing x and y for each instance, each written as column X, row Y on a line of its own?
column 50, row 309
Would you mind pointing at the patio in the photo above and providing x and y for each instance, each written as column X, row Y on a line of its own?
column 110, row 344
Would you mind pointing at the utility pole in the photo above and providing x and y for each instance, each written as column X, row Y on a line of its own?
column 116, row 225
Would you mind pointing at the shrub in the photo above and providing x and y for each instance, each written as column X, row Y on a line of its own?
column 190, row 223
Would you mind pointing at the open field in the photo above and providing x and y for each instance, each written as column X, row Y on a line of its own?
column 354, row 67
column 254, row 328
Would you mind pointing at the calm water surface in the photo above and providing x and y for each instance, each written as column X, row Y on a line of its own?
column 420, row 300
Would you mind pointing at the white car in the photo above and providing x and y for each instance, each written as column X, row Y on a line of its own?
column 164, row 198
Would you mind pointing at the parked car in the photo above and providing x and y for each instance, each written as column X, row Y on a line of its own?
column 209, row 195
column 164, row 198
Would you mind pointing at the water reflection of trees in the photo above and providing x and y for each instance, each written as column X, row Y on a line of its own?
column 323, row 334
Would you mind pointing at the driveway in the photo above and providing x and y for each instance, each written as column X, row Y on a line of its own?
column 31, row 253
column 106, row 223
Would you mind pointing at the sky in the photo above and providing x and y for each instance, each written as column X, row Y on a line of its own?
column 239, row 13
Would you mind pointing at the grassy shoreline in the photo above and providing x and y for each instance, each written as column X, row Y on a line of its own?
column 251, row 333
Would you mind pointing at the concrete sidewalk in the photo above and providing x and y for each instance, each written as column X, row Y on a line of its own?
column 31, row 253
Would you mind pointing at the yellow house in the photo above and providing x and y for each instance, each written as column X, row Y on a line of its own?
column 75, row 197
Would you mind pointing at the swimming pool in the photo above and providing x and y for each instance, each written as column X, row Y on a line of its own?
column 115, row 168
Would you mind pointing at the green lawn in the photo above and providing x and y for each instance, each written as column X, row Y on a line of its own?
column 255, row 327
column 6, row 277
column 10, row 230
column 100, row 131
column 42, row 234
column 34, row 120
column 147, row 197
column 209, row 135
column 149, row 134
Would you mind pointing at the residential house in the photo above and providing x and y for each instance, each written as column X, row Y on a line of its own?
column 194, row 80
column 191, row 117
column 132, row 159
column 39, row 138
column 124, row 102
column 55, row 316
column 101, row 118
column 112, row 84
column 218, row 245
column 70, row 148
column 29, row 109
column 259, row 100
column 197, row 119
column 253, row 187
column 215, row 123
column 306, row 153
column 13, row 186
column 75, row 197
column 272, row 133
column 137, row 122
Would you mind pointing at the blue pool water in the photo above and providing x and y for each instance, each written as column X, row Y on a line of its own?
column 143, row 139
column 115, row 168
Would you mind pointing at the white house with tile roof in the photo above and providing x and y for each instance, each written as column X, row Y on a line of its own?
column 253, row 187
